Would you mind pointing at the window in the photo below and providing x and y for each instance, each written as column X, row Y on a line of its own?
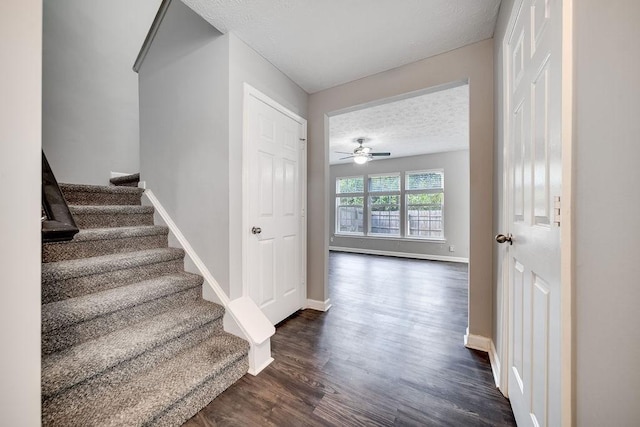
column 394, row 205
column 424, row 192
column 384, row 204
column 350, row 205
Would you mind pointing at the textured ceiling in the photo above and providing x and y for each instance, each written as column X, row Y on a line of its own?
column 432, row 123
column 323, row 43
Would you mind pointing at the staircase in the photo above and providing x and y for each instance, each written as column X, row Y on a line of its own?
column 127, row 339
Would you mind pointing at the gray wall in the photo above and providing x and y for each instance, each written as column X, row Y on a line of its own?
column 20, row 136
column 245, row 65
column 473, row 62
column 456, row 211
column 607, row 179
column 191, row 105
column 184, row 132
column 90, row 92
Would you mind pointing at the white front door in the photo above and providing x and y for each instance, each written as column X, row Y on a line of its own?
column 533, row 88
column 274, row 227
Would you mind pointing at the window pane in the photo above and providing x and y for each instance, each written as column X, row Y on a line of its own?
column 384, row 216
column 424, row 215
column 350, row 185
column 425, row 199
column 349, row 217
column 425, row 180
column 350, row 201
column 384, row 183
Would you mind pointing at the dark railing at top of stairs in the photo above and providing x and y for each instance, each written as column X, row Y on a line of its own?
column 57, row 223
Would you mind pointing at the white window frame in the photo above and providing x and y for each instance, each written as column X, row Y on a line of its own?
column 371, row 194
column 407, row 192
column 364, row 206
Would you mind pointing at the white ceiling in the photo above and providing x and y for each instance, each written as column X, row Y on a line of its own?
column 323, row 43
column 431, row 123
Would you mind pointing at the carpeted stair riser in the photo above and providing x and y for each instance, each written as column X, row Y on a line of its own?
column 97, row 242
column 74, row 365
column 76, row 194
column 212, row 366
column 58, row 284
column 60, row 339
column 111, row 216
column 126, row 181
column 57, row 406
column 191, row 404
column 72, row 311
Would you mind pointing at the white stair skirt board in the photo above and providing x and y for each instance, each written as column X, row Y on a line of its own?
column 400, row 254
column 318, row 305
column 242, row 316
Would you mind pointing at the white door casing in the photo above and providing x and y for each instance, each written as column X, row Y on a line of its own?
column 274, row 223
column 533, row 158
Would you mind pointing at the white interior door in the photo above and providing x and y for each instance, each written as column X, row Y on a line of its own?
column 275, row 260
column 533, row 144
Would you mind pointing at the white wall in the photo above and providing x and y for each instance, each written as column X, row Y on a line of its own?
column 246, row 65
column 20, row 177
column 184, row 132
column 90, row 92
column 456, row 212
column 473, row 62
column 607, row 206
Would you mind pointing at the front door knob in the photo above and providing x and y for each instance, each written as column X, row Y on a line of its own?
column 501, row 238
column 256, row 230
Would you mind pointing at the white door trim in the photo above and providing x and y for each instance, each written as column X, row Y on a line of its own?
column 566, row 215
column 250, row 91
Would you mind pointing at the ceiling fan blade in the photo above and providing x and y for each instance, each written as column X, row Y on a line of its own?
column 348, row 157
column 379, row 154
column 344, row 152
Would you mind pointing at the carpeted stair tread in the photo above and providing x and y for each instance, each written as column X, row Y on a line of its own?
column 93, row 234
column 62, row 314
column 103, row 241
column 78, row 363
column 110, row 209
column 63, row 270
column 126, row 180
column 162, row 395
column 81, row 194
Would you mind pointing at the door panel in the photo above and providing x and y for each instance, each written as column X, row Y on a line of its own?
column 534, row 178
column 273, row 262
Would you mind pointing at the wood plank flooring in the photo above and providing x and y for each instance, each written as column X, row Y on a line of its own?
column 388, row 353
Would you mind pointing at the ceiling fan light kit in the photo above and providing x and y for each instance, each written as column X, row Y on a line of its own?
column 361, row 160
column 362, row 155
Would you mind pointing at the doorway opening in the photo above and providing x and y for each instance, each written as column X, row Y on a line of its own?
column 399, row 177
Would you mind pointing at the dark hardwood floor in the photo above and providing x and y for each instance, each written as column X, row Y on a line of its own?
column 389, row 352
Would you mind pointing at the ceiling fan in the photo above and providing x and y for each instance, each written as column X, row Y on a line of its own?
column 362, row 155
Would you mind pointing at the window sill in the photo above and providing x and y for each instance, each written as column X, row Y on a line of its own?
column 395, row 238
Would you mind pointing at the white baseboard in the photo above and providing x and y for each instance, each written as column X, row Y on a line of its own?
column 477, row 342
column 495, row 364
column 400, row 254
column 318, row 305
